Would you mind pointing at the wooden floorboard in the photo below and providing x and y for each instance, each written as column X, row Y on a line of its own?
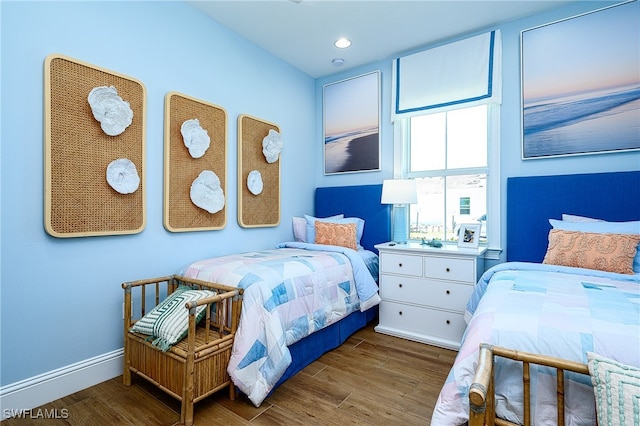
column 373, row 379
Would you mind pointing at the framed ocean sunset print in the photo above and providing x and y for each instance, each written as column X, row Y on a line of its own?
column 351, row 111
column 581, row 84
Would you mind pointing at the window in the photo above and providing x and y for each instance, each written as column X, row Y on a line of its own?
column 446, row 114
column 447, row 154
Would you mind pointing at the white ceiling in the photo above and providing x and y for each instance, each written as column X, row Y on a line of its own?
column 302, row 32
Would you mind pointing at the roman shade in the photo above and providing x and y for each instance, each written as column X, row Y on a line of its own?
column 465, row 72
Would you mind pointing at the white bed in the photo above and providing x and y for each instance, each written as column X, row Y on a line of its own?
column 536, row 304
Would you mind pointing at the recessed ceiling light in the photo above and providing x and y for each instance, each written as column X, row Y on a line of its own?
column 342, row 43
column 338, row 62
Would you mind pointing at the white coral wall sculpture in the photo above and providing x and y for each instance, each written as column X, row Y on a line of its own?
column 195, row 138
column 254, row 182
column 112, row 112
column 207, row 193
column 272, row 146
column 122, row 176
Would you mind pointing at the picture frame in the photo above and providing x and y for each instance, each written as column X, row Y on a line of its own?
column 351, row 125
column 78, row 200
column 469, row 235
column 580, row 82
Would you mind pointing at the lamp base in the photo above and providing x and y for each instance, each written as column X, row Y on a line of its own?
column 400, row 228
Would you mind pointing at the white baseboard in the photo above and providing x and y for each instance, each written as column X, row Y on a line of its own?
column 16, row 398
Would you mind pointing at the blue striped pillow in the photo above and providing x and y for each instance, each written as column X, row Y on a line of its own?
column 168, row 322
column 617, row 390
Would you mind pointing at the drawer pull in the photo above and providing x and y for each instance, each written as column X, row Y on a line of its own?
column 400, row 285
column 400, row 313
column 448, row 322
column 448, row 270
column 399, row 265
column 448, row 292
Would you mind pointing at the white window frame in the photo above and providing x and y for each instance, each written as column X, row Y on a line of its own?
column 401, row 171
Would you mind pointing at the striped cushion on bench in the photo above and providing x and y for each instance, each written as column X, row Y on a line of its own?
column 168, row 322
column 617, row 391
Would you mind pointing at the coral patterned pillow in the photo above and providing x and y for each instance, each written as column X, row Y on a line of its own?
column 604, row 252
column 336, row 234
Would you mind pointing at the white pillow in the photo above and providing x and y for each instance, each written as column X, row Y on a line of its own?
column 575, row 218
column 300, row 227
column 601, row 227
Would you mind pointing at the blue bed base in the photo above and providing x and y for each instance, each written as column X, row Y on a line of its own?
column 361, row 201
column 312, row 347
column 532, row 201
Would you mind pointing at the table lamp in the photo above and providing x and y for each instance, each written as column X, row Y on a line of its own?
column 400, row 193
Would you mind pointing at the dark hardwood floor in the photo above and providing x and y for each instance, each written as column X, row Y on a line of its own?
column 372, row 379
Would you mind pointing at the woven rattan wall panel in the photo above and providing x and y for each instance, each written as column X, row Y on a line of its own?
column 260, row 210
column 79, row 201
column 181, row 169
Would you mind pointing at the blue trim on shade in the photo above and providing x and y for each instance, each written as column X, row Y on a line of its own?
column 491, row 52
column 457, row 102
column 397, row 85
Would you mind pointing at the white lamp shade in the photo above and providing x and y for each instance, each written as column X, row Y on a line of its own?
column 399, row 191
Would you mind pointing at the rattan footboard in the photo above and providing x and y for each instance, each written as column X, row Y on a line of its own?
column 481, row 393
column 196, row 366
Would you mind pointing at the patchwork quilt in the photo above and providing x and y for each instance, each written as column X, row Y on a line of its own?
column 553, row 310
column 289, row 293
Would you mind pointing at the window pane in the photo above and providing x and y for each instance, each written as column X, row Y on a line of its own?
column 427, row 216
column 439, row 148
column 472, row 188
column 428, row 142
column 467, row 137
column 438, row 214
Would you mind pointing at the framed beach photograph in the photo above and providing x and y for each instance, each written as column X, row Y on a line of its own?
column 469, row 235
column 581, row 84
column 351, row 111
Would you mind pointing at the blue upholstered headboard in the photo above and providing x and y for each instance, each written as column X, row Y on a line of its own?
column 532, row 201
column 361, row 201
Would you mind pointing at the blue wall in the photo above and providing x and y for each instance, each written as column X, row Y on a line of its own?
column 511, row 163
column 61, row 301
column 61, row 298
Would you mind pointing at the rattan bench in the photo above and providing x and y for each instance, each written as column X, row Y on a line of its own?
column 195, row 367
column 481, row 393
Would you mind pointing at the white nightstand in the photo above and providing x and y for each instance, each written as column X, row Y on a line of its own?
column 424, row 291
